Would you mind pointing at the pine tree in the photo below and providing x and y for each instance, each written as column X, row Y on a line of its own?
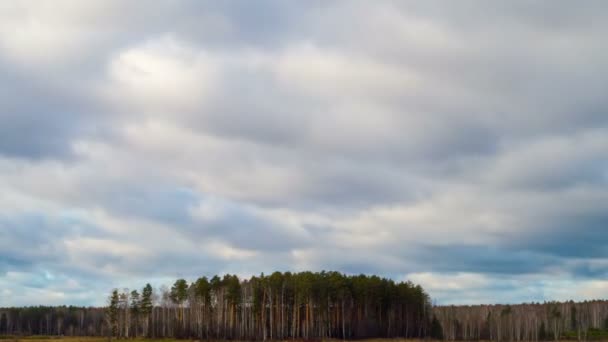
column 146, row 306
column 179, row 291
column 112, row 313
column 178, row 295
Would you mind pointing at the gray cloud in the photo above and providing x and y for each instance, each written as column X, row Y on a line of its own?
column 453, row 143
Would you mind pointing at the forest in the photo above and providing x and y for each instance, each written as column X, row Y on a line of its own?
column 305, row 306
column 286, row 305
column 524, row 322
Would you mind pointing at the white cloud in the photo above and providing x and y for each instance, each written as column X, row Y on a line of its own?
column 162, row 76
column 442, row 282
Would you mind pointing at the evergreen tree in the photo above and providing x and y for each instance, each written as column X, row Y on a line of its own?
column 202, row 290
column 135, row 309
column 146, row 306
column 112, row 313
column 179, row 291
column 145, row 303
column 281, row 306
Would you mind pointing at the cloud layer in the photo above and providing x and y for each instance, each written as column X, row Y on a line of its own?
column 460, row 145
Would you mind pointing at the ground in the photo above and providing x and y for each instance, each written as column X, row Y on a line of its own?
column 105, row 339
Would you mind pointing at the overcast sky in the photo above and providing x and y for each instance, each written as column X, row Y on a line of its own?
column 460, row 144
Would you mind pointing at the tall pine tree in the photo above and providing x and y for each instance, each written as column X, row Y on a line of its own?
column 112, row 313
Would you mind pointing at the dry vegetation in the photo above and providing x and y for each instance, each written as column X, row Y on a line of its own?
column 105, row 339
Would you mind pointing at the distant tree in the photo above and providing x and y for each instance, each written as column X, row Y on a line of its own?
column 125, row 316
column 145, row 307
column 112, row 313
column 201, row 305
column 573, row 318
column 135, row 310
column 179, row 291
column 555, row 316
column 178, row 295
column 202, row 290
column 313, row 305
column 279, row 306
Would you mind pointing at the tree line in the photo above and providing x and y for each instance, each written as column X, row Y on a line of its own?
column 286, row 305
column 524, row 322
column 305, row 305
column 56, row 320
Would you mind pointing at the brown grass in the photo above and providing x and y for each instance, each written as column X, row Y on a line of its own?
column 105, row 339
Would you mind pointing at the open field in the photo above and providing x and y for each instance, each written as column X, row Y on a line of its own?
column 105, row 339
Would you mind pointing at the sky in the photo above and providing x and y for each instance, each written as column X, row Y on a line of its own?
column 461, row 145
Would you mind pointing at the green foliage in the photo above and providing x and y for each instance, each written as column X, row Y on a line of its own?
column 233, row 288
column 306, row 305
column 146, row 304
column 202, row 290
column 597, row 334
column 135, row 304
column 112, row 312
column 179, row 291
column 145, row 307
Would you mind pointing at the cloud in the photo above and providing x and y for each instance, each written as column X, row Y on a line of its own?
column 459, row 145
